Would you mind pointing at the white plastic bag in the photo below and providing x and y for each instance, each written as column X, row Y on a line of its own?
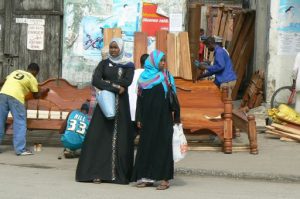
column 180, row 146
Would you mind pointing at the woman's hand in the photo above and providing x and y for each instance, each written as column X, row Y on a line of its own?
column 121, row 90
column 139, row 125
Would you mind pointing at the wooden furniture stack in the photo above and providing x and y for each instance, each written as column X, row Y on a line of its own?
column 253, row 97
column 220, row 21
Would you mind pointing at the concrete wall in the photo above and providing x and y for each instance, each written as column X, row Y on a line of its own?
column 279, row 67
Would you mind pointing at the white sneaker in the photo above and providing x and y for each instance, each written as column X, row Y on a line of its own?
column 25, row 153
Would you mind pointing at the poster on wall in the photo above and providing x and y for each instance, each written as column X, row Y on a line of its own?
column 84, row 23
column 289, row 27
column 176, row 22
column 127, row 17
column 35, row 37
column 151, row 21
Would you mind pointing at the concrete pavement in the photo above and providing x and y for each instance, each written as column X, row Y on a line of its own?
column 277, row 161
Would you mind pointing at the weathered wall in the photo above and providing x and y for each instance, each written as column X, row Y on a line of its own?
column 13, row 46
column 279, row 67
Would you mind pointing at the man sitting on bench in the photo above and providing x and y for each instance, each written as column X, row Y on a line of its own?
column 74, row 130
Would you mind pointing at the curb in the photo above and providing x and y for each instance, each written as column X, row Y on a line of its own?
column 238, row 175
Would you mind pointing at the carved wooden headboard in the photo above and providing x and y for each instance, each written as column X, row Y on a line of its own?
column 50, row 111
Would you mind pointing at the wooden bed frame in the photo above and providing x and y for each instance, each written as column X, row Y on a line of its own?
column 205, row 108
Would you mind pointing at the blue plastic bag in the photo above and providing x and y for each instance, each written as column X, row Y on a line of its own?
column 107, row 103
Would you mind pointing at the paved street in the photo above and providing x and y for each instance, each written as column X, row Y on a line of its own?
column 44, row 176
column 22, row 182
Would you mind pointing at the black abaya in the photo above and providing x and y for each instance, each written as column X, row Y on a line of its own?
column 107, row 151
column 154, row 159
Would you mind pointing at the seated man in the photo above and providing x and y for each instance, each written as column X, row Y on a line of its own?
column 74, row 130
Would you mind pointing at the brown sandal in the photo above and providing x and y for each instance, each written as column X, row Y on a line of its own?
column 144, row 184
column 163, row 186
column 97, row 181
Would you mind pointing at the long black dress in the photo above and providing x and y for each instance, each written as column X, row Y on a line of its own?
column 154, row 159
column 107, row 152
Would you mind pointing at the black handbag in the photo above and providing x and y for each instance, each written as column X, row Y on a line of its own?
column 172, row 97
column 173, row 100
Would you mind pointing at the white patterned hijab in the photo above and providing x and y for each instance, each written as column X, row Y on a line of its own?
column 120, row 59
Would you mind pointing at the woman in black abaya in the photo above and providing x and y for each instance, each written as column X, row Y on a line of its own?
column 154, row 159
column 107, row 152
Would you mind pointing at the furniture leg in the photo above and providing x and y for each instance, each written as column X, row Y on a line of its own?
column 227, row 122
column 252, row 134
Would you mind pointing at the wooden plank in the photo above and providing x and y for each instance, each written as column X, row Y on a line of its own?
column 110, row 33
column 185, row 61
column 172, row 55
column 271, row 132
column 212, row 148
column 214, row 27
column 217, row 22
column 245, row 53
column 236, row 33
column 8, row 30
column 244, row 34
column 230, row 30
column 209, row 18
column 194, row 34
column 34, row 5
column 161, row 40
column 287, row 135
column 286, row 128
column 52, row 44
column 287, row 139
column 223, row 24
column 226, row 28
column 270, row 127
column 2, row 5
column 140, row 47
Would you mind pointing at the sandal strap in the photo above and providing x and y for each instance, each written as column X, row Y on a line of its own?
column 163, row 186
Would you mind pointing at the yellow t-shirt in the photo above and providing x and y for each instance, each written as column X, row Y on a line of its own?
column 18, row 84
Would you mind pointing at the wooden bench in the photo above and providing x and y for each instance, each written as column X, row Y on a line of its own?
column 50, row 112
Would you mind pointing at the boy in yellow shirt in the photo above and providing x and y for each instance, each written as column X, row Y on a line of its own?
column 12, row 98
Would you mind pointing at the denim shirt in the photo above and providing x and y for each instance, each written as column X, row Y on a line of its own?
column 222, row 68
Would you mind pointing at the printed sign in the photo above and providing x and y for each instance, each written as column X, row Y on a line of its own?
column 35, row 37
